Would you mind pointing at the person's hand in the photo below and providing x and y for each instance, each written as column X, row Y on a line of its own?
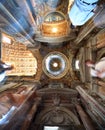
column 89, row 63
column 101, row 74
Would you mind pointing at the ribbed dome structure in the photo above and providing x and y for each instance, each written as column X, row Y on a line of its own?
column 55, row 65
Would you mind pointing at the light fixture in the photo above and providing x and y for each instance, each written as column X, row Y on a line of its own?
column 54, row 30
column 55, row 64
column 77, row 64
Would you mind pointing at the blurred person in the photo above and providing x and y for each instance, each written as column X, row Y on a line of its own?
column 97, row 69
column 3, row 68
column 81, row 12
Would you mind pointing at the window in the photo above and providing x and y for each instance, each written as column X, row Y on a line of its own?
column 51, row 127
column 6, row 39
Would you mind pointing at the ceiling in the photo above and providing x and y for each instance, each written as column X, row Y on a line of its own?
column 23, row 19
column 44, row 25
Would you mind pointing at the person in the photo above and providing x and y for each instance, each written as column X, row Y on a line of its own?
column 3, row 68
column 81, row 12
column 97, row 69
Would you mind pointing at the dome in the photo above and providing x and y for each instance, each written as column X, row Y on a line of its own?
column 55, row 65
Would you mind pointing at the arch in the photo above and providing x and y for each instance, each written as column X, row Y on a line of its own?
column 41, row 118
column 56, row 15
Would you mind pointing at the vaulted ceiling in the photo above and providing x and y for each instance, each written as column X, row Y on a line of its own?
column 44, row 26
column 23, row 19
column 51, row 80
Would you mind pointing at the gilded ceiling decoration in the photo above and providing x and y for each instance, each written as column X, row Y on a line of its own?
column 25, row 64
column 41, row 8
column 55, row 25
